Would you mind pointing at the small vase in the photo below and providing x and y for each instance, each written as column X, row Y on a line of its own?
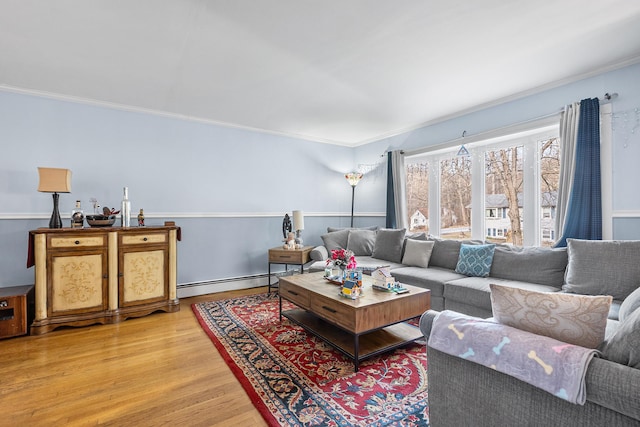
column 336, row 271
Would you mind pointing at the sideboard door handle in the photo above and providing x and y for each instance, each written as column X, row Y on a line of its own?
column 329, row 309
column 77, row 242
column 144, row 239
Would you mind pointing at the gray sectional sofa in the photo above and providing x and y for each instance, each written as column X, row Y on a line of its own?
column 532, row 268
column 464, row 393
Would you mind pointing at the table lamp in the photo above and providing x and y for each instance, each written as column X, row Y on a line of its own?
column 54, row 180
column 298, row 225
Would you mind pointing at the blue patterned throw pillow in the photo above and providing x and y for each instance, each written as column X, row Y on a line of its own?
column 475, row 260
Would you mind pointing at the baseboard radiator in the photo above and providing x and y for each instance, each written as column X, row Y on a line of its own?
column 193, row 289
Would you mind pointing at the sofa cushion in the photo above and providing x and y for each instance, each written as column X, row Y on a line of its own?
column 335, row 240
column 629, row 305
column 476, row 291
column 603, row 267
column 417, row 252
column 475, row 260
column 432, row 278
column 388, row 244
column 624, row 345
column 574, row 319
column 531, row 264
column 361, row 242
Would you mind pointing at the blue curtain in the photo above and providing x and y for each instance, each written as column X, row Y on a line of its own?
column 584, row 212
column 391, row 205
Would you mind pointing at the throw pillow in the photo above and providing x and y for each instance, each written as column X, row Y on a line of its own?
column 335, row 240
column 389, row 244
column 629, row 305
column 475, row 260
column 599, row 267
column 417, row 252
column 624, row 345
column 544, row 266
column 361, row 242
column 445, row 253
column 571, row 318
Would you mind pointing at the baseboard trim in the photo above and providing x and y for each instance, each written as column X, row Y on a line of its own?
column 186, row 290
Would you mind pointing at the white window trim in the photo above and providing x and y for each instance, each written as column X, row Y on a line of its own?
column 606, row 163
column 526, row 134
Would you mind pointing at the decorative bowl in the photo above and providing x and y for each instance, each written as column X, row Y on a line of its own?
column 101, row 220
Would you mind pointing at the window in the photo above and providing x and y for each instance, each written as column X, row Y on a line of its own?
column 418, row 196
column 455, row 197
column 505, row 190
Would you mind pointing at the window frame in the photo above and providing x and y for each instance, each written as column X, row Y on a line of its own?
column 529, row 137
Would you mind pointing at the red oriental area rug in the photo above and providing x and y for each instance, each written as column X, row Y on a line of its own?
column 295, row 379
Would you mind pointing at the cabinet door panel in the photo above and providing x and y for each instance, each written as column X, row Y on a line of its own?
column 144, row 276
column 77, row 283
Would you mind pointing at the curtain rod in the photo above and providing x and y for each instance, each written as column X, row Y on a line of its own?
column 608, row 97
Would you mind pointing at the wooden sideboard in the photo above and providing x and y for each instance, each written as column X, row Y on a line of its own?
column 102, row 275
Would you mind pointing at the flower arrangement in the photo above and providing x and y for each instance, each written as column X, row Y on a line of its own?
column 342, row 258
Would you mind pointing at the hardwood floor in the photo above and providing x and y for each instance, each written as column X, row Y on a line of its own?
column 156, row 370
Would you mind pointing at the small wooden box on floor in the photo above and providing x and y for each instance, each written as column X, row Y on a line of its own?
column 102, row 275
column 16, row 310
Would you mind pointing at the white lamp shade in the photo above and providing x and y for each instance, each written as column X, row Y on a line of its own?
column 298, row 220
column 353, row 178
column 54, row 180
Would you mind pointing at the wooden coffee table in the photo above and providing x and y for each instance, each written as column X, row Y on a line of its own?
column 361, row 328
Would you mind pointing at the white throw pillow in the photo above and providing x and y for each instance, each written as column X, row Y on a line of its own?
column 417, row 252
column 571, row 318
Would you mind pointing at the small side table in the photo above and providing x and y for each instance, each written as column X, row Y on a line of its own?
column 288, row 257
column 16, row 310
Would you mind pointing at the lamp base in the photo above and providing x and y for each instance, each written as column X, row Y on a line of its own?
column 55, row 221
column 298, row 238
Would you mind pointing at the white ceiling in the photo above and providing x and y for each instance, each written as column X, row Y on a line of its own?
column 344, row 72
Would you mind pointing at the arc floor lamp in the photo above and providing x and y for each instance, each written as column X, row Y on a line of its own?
column 353, row 178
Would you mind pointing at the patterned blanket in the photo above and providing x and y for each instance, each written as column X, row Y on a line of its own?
column 554, row 366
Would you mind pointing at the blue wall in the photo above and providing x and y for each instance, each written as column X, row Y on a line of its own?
column 229, row 188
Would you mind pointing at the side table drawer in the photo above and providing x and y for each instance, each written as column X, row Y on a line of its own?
column 293, row 257
column 340, row 314
column 296, row 295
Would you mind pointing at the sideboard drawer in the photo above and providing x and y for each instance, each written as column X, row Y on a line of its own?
column 141, row 239
column 297, row 295
column 76, row 241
